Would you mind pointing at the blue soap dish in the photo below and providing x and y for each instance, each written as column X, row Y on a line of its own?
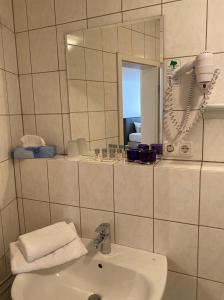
column 34, row 152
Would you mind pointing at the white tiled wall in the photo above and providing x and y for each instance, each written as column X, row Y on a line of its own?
column 186, row 222
column 172, row 208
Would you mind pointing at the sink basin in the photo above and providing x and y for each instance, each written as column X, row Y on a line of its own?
column 125, row 274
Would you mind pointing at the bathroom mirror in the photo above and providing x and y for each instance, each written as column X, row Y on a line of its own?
column 115, row 83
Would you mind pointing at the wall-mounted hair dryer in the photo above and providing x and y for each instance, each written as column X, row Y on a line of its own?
column 205, row 75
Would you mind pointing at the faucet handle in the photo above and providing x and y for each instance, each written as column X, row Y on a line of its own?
column 103, row 228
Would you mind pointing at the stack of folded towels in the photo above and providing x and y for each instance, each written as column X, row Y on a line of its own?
column 45, row 248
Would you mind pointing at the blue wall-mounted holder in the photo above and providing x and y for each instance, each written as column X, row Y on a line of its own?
column 34, row 152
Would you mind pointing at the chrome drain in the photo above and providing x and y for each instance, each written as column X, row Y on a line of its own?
column 94, row 297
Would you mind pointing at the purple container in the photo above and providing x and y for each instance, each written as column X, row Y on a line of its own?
column 158, row 148
column 133, row 154
column 147, row 156
column 143, row 147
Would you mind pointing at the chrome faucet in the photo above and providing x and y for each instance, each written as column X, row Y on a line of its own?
column 103, row 239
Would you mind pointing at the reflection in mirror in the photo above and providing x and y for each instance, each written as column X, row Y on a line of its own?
column 139, row 101
column 114, row 83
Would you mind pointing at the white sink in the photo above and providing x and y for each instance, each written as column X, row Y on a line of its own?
column 125, row 274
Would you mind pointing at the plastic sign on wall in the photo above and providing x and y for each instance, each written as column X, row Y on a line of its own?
column 172, row 65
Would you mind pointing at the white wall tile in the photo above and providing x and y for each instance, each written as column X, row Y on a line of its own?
column 110, row 94
column 140, row 13
column 94, row 65
column 21, row 216
column 36, row 213
column 49, row 127
column 65, row 213
column 211, row 247
column 29, row 124
column 180, row 286
column 2, row 250
column 150, row 28
column 23, row 52
column 7, row 183
column 189, row 42
column 139, row 27
column 124, row 40
column 20, row 18
column 63, row 181
column 64, row 92
column 131, row 4
column 40, row 13
column 177, row 191
column 97, row 125
column 105, row 20
column 109, row 67
column 66, row 130
column 209, row 290
column 213, row 140
column 34, row 179
column 6, row 13
column 16, row 126
column 95, row 94
column 5, row 144
column 212, row 194
column 110, row 39
column 16, row 165
column 13, row 93
column 26, row 90
column 138, row 44
column 10, row 228
column 93, row 39
column 9, row 46
column 2, row 62
column 91, row 219
column 102, row 7
column 150, row 48
column 79, row 125
column 195, row 136
column 111, row 123
column 179, row 242
column 70, row 10
column 76, row 62
column 46, row 88
column 43, row 46
column 215, row 22
column 77, row 95
column 132, row 231
column 96, row 185
column 133, row 189
column 4, row 107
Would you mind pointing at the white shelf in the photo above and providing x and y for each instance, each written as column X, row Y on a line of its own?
column 214, row 111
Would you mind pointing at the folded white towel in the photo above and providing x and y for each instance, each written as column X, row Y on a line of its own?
column 41, row 242
column 69, row 252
